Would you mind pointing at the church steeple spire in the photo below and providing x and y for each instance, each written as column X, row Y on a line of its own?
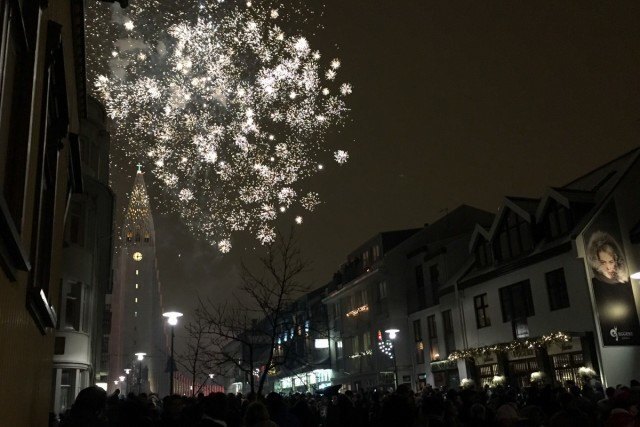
column 138, row 221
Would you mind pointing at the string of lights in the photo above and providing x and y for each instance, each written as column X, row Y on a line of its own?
column 525, row 343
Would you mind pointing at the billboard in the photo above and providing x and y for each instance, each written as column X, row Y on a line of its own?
column 609, row 274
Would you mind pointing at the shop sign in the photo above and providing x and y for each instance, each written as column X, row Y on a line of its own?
column 564, row 347
column 523, row 353
column 486, row 359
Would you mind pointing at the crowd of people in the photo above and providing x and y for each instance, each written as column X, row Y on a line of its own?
column 538, row 405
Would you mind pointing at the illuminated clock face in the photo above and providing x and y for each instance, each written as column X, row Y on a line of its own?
column 137, row 256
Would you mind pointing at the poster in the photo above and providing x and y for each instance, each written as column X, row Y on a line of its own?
column 609, row 274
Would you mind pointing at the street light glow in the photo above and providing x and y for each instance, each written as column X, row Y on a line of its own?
column 392, row 333
column 141, row 356
column 126, row 371
column 172, row 317
column 121, row 378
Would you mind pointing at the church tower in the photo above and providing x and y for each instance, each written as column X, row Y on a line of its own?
column 137, row 322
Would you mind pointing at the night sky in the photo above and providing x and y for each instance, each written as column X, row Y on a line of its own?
column 453, row 102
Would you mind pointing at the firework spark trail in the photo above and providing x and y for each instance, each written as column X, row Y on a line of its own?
column 231, row 110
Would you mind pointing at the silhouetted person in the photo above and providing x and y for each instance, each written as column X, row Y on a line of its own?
column 88, row 409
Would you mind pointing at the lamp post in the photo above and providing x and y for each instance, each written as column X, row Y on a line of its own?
column 140, row 357
column 122, row 378
column 172, row 319
column 393, row 333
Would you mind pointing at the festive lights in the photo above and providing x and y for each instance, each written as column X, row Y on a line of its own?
column 361, row 354
column 386, row 347
column 358, row 310
column 586, row 372
column 526, row 343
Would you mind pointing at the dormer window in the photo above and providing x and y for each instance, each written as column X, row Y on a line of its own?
column 515, row 237
column 129, row 235
column 147, row 237
column 558, row 220
column 483, row 254
column 137, row 236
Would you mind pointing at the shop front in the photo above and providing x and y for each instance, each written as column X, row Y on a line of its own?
column 445, row 374
column 521, row 364
column 566, row 360
column 486, row 368
column 304, row 382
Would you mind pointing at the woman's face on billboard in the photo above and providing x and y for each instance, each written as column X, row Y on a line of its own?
column 608, row 262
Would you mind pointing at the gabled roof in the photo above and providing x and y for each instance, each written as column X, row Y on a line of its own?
column 478, row 232
column 600, row 179
column 524, row 207
column 565, row 197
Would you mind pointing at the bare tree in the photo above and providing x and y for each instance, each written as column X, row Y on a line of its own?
column 247, row 336
column 195, row 359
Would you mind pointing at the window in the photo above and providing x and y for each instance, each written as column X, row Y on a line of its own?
column 449, row 337
column 137, row 272
column 136, row 286
column 515, row 237
column 376, row 252
column 434, row 352
column 420, row 291
column 434, row 273
column 365, row 259
column 136, row 300
column 420, row 352
column 417, row 336
column 75, row 223
column 482, row 316
column 18, row 23
column 558, row 220
column 67, row 388
column 419, row 276
column 366, row 341
column 339, row 349
column 557, row 289
column 53, row 126
column 483, row 254
column 417, row 330
column 336, row 312
column 147, row 237
column 322, row 343
column 59, row 345
column 129, row 235
column 516, row 301
column 73, row 306
column 382, row 290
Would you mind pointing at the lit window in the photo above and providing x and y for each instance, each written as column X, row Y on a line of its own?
column 137, row 272
column 136, row 299
column 322, row 343
column 136, row 286
column 135, row 314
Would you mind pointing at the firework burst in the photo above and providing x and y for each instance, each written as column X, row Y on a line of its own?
column 231, row 110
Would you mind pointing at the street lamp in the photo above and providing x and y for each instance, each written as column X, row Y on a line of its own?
column 140, row 357
column 211, row 378
column 393, row 333
column 172, row 320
